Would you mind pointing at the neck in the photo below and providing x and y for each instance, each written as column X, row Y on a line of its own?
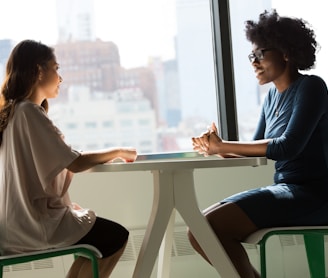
column 285, row 81
column 36, row 98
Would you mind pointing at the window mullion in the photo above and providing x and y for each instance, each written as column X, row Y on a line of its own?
column 224, row 75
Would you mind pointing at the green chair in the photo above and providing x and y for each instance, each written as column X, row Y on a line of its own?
column 313, row 241
column 83, row 250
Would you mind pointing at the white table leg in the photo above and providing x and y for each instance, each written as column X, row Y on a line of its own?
column 164, row 256
column 163, row 205
column 189, row 210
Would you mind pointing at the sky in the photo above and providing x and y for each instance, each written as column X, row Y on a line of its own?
column 138, row 32
column 128, row 23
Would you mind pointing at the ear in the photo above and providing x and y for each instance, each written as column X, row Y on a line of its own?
column 40, row 72
column 286, row 57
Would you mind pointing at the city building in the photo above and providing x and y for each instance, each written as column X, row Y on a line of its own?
column 98, row 120
column 6, row 45
column 75, row 20
column 95, row 64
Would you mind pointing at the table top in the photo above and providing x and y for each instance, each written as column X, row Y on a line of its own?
column 177, row 161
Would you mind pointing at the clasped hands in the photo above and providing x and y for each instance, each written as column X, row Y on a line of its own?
column 208, row 143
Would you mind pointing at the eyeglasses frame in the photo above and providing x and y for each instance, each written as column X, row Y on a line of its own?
column 258, row 54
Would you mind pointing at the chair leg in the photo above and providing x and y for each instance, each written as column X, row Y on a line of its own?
column 263, row 258
column 95, row 268
column 94, row 263
column 315, row 251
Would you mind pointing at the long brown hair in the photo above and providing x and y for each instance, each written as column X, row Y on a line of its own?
column 22, row 74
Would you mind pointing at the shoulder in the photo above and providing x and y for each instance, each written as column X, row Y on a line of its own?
column 313, row 80
column 33, row 117
column 28, row 110
column 29, row 107
column 312, row 91
column 29, row 115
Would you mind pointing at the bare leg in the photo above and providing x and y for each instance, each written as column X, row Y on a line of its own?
column 231, row 225
column 82, row 268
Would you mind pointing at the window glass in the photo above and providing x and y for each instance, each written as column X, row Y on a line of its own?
column 137, row 73
column 250, row 95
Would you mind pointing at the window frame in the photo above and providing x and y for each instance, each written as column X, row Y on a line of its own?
column 224, row 74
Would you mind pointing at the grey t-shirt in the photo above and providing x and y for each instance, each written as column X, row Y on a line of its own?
column 35, row 208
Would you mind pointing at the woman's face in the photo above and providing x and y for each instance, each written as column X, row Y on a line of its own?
column 269, row 64
column 49, row 80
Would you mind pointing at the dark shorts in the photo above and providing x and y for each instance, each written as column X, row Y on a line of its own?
column 107, row 236
column 283, row 205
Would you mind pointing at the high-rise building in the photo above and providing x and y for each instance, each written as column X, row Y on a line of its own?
column 195, row 59
column 95, row 64
column 168, row 91
column 6, row 45
column 75, row 20
column 100, row 120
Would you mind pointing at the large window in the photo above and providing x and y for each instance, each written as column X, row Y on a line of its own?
column 136, row 72
column 143, row 72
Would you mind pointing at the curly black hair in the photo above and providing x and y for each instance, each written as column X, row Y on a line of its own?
column 292, row 36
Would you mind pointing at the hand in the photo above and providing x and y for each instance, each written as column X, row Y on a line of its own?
column 215, row 144
column 200, row 143
column 128, row 154
column 206, row 143
column 76, row 206
column 214, row 141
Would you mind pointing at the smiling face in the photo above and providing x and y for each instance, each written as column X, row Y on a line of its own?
column 270, row 65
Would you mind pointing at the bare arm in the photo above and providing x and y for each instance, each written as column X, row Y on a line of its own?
column 254, row 148
column 89, row 159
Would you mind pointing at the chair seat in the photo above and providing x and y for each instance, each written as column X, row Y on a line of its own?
column 314, row 245
column 84, row 250
column 257, row 236
column 51, row 250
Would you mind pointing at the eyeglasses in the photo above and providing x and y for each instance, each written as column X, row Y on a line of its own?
column 258, row 54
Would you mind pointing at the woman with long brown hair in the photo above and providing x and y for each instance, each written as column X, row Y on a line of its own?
column 37, row 166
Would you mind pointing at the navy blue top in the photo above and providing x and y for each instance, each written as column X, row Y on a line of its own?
column 299, row 132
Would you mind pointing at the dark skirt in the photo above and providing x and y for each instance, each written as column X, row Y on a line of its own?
column 284, row 205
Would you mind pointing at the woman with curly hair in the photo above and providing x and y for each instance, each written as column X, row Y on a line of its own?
column 37, row 166
column 292, row 131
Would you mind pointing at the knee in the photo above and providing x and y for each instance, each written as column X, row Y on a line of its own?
column 189, row 234
column 192, row 239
